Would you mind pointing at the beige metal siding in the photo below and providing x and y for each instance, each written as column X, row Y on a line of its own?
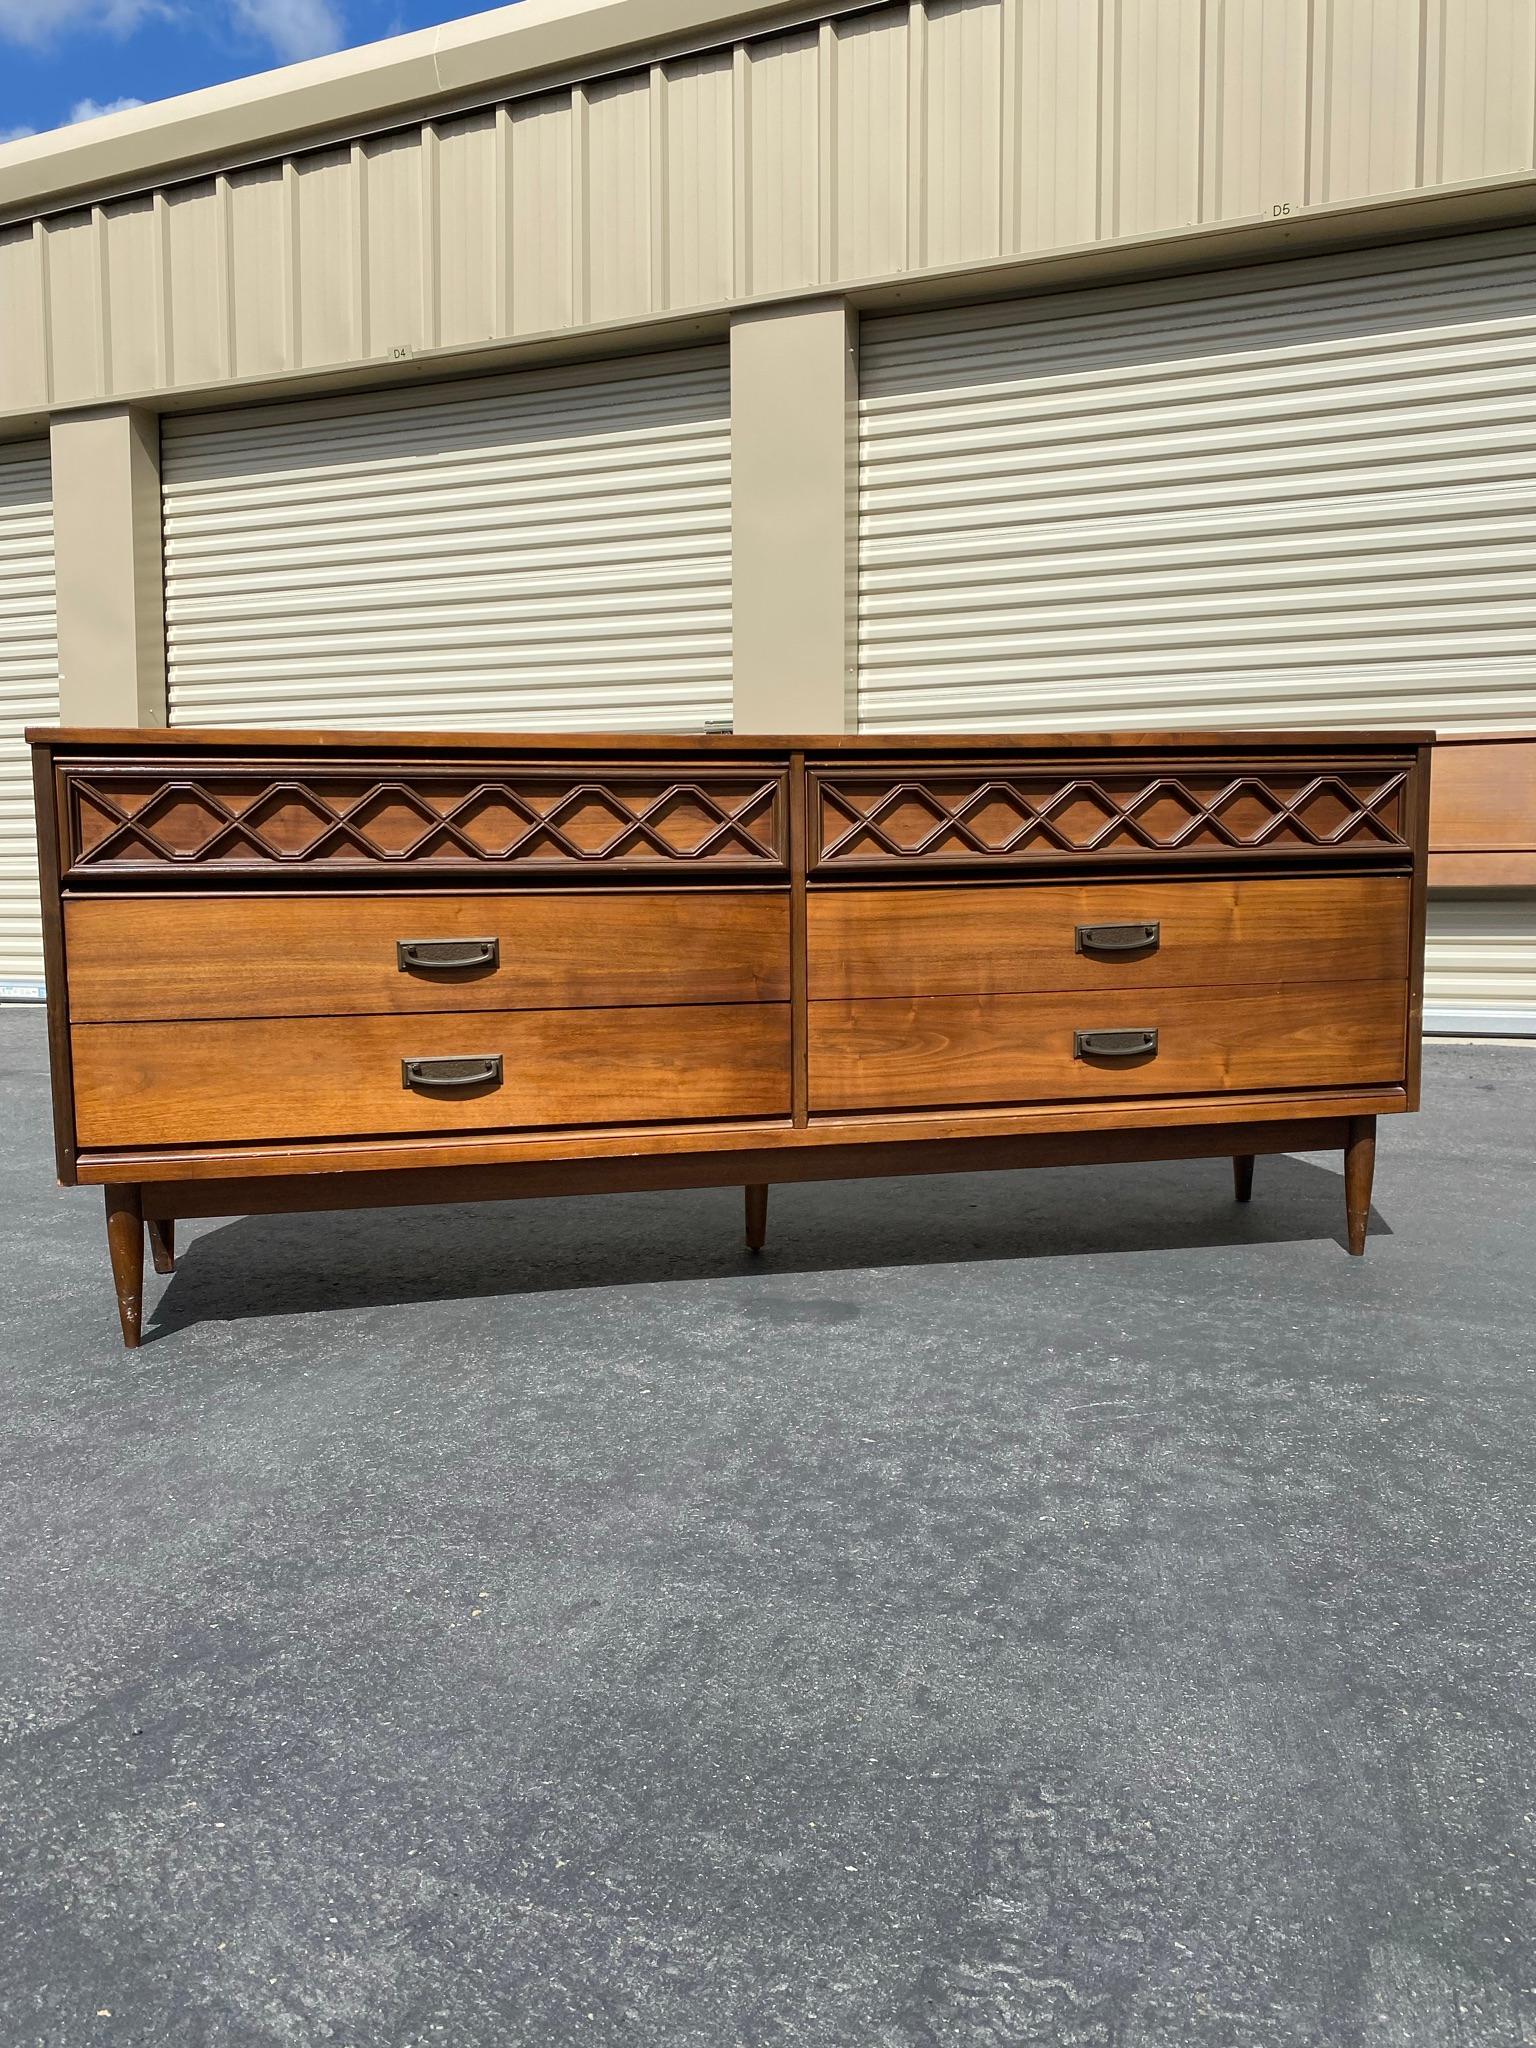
column 1252, row 501
column 535, row 555
column 870, row 145
column 29, row 695
column 695, row 99
column 1480, row 965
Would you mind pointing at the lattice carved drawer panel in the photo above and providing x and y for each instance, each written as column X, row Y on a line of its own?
column 322, row 820
column 1018, row 817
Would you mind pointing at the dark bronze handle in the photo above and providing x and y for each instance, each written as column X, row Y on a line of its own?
column 480, row 1072
column 1117, row 938
column 1112, row 1045
column 430, row 953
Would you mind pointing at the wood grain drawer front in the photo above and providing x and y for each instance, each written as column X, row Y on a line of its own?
column 996, row 815
column 1013, row 939
column 260, row 956
column 326, row 1077
column 207, row 820
column 939, row 1051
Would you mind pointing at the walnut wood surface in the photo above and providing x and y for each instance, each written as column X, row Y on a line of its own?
column 1018, row 814
column 125, row 1249
column 228, row 1019
column 146, row 958
column 1359, row 1172
column 212, row 819
column 1482, row 870
column 866, row 1129
column 870, row 1054
column 957, row 940
column 318, row 1077
column 1419, row 799
column 61, row 1079
column 1482, row 817
column 1484, row 796
column 799, row 1098
column 696, row 1169
column 547, row 745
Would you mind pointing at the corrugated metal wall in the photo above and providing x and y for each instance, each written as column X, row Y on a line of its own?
column 29, row 695
column 1480, row 964
column 543, row 555
column 1300, row 496
column 876, row 143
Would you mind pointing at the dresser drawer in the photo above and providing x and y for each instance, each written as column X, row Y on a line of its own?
column 938, row 1051
column 1307, row 805
column 203, row 819
column 1017, row 938
column 328, row 1077
column 262, row 956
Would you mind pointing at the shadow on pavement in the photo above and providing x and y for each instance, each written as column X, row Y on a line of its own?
column 264, row 1265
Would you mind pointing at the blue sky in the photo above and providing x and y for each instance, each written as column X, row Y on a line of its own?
column 63, row 60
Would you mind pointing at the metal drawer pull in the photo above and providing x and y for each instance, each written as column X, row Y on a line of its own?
column 481, row 1072
column 431, row 953
column 1117, row 938
column 1112, row 1045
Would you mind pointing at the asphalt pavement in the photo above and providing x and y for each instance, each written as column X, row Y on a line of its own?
column 1061, row 1609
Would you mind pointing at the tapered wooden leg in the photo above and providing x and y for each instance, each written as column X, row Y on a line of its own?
column 1242, row 1176
column 1359, row 1171
column 757, row 1217
column 162, row 1244
column 125, row 1242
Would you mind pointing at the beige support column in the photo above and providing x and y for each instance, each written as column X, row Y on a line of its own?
column 107, row 551
column 794, row 397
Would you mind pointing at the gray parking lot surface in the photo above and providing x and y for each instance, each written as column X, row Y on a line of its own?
column 1061, row 1609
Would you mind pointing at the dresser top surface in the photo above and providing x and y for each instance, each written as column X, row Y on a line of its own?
column 750, row 745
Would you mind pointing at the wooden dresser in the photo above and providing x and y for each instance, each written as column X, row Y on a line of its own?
column 294, row 970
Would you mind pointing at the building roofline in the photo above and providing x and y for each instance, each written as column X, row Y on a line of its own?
column 484, row 56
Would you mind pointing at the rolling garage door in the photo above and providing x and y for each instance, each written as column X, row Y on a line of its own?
column 1304, row 495
column 536, row 554
column 29, row 695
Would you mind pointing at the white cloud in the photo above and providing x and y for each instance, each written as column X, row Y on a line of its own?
column 92, row 110
column 294, row 28
column 290, row 28
column 37, row 21
column 82, row 110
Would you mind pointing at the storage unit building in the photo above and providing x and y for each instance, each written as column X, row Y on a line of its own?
column 967, row 364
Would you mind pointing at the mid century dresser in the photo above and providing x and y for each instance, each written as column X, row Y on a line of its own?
column 295, row 970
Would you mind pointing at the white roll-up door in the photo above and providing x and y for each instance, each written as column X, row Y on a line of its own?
column 1297, row 495
column 1480, row 964
column 546, row 553
column 1242, row 500
column 29, row 695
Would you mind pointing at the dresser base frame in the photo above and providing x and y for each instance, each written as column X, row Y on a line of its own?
column 153, row 1205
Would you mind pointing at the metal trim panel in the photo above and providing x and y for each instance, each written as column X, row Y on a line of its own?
column 364, row 210
column 29, row 695
column 1443, row 1022
column 546, row 557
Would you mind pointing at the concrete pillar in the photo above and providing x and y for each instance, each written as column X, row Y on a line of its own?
column 794, row 394
column 111, row 588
